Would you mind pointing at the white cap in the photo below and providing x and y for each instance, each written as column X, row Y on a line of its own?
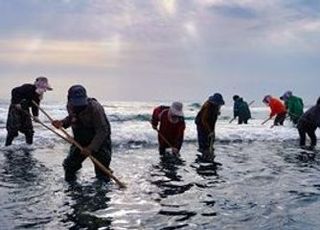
column 42, row 82
column 176, row 109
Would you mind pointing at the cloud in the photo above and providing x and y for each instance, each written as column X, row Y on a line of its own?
column 161, row 39
column 41, row 52
column 235, row 11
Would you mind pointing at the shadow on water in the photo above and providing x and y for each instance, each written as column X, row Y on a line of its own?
column 85, row 202
column 205, row 167
column 301, row 157
column 167, row 176
column 19, row 167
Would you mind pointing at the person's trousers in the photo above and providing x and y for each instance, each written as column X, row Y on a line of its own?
column 74, row 160
column 307, row 130
column 280, row 118
column 19, row 121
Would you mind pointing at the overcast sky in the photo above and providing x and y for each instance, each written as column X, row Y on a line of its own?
column 163, row 49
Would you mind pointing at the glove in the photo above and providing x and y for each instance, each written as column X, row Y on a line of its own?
column 36, row 119
column 86, row 152
column 57, row 124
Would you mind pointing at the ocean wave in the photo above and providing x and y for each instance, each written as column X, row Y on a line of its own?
column 130, row 125
column 195, row 106
column 123, row 118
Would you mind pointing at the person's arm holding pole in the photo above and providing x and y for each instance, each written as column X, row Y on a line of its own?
column 58, row 124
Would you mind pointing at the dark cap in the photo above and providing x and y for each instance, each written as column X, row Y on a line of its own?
column 77, row 95
column 266, row 99
column 236, row 97
column 217, row 99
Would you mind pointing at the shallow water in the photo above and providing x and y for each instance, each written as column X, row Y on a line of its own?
column 257, row 185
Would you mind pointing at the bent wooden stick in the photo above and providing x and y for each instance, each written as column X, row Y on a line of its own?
column 94, row 160
column 51, row 119
column 163, row 138
column 269, row 118
column 72, row 141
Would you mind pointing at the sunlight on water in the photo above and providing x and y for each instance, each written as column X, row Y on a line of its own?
column 260, row 180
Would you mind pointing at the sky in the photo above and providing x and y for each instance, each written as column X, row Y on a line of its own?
column 157, row 50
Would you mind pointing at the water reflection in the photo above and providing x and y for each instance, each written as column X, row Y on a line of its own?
column 205, row 167
column 20, row 168
column 292, row 153
column 167, row 178
column 23, row 176
column 84, row 205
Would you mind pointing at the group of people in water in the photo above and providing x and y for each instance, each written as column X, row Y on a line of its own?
column 172, row 120
column 91, row 128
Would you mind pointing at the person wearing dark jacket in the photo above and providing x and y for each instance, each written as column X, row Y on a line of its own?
column 19, row 116
column 206, row 121
column 308, row 123
column 91, row 129
column 172, row 126
column 241, row 110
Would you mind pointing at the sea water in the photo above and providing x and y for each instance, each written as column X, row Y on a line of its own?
column 260, row 179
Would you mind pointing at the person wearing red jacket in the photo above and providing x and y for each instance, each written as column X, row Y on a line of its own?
column 171, row 127
column 278, row 109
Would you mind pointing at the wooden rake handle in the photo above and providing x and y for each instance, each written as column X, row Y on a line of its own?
column 70, row 139
column 265, row 121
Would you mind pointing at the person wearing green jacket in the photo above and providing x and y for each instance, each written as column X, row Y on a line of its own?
column 241, row 110
column 294, row 106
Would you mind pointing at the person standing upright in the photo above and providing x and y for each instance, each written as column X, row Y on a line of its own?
column 19, row 117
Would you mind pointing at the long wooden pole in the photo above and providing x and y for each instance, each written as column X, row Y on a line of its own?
column 211, row 144
column 51, row 119
column 163, row 138
column 265, row 121
column 72, row 141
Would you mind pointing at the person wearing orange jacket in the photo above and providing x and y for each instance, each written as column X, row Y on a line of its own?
column 278, row 109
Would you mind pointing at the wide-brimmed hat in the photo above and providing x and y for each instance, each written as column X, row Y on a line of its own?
column 42, row 83
column 217, row 99
column 176, row 109
column 77, row 95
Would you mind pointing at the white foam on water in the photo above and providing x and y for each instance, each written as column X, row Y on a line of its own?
column 130, row 124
